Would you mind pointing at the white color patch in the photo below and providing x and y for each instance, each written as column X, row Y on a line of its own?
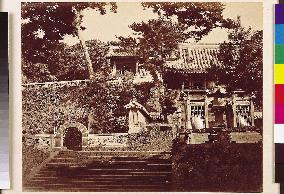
column 279, row 133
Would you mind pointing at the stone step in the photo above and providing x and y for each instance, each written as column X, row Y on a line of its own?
column 125, row 160
column 112, row 178
column 74, row 166
column 104, row 171
column 129, row 159
column 74, row 181
column 97, row 189
column 104, row 159
column 113, row 154
column 151, row 167
column 85, row 185
column 103, row 176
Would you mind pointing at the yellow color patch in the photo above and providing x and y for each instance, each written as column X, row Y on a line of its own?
column 279, row 74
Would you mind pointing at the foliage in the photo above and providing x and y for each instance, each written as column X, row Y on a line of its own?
column 142, row 92
column 156, row 40
column 38, row 72
column 32, row 158
column 46, row 108
column 69, row 63
column 152, row 140
column 47, row 59
column 242, row 59
column 107, row 107
column 160, row 36
column 198, row 18
column 153, row 42
column 168, row 103
column 44, row 25
column 223, row 167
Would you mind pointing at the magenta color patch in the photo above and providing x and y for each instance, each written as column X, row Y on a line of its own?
column 279, row 114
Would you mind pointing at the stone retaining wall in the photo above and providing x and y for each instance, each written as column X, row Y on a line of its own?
column 151, row 140
column 108, row 140
column 42, row 141
column 233, row 137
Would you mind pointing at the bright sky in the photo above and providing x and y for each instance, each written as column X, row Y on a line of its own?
column 106, row 27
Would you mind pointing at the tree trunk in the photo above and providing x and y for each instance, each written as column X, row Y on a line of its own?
column 77, row 23
column 87, row 55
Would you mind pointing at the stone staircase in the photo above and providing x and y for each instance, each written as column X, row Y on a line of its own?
column 104, row 171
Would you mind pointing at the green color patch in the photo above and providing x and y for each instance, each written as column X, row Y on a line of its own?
column 279, row 54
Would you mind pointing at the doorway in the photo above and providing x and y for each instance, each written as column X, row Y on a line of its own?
column 73, row 139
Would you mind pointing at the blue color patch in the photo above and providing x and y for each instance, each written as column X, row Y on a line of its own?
column 279, row 34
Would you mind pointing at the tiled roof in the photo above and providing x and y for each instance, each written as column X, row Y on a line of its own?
column 120, row 54
column 199, row 58
column 116, row 52
column 194, row 58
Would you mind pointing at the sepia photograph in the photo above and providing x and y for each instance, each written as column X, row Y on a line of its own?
column 142, row 96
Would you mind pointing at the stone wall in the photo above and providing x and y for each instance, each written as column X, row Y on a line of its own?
column 108, row 140
column 245, row 137
column 41, row 141
column 253, row 136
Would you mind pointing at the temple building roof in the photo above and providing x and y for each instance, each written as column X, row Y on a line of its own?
column 115, row 51
column 195, row 58
column 192, row 58
column 120, row 54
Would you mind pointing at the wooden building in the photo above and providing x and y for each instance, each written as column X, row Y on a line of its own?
column 127, row 63
column 202, row 102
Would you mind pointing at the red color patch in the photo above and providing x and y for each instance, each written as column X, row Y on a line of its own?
column 279, row 94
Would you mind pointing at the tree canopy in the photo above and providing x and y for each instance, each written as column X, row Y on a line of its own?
column 44, row 25
column 198, row 18
column 242, row 60
column 68, row 63
column 154, row 42
column 157, row 39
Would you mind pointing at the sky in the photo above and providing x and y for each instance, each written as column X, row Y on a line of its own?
column 107, row 27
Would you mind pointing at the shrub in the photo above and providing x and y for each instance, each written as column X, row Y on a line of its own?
column 153, row 140
column 219, row 167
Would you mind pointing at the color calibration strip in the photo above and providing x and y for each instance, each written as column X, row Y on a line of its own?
column 279, row 93
column 4, row 104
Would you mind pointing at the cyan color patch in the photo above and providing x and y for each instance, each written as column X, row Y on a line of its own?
column 279, row 34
